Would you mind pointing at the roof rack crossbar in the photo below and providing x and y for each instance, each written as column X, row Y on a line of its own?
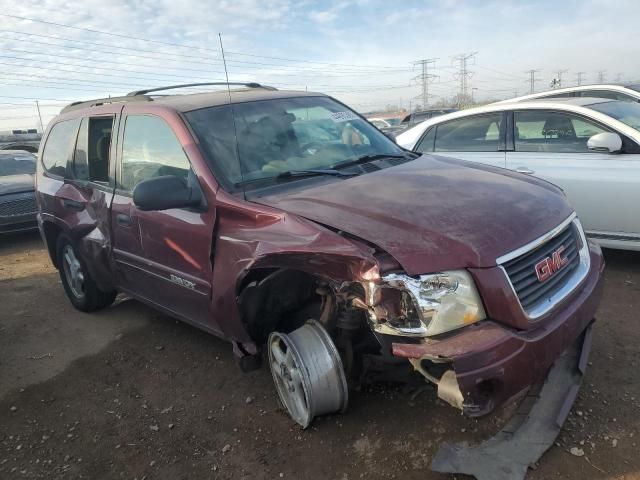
column 172, row 87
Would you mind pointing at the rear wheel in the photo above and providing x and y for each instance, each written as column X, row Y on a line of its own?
column 81, row 289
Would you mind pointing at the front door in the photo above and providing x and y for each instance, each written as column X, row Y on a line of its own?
column 169, row 260
column 602, row 187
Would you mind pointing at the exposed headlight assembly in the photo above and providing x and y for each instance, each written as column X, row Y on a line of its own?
column 425, row 305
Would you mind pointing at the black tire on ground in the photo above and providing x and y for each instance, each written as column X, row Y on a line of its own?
column 85, row 295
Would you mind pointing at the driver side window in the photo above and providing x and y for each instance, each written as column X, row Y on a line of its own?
column 150, row 149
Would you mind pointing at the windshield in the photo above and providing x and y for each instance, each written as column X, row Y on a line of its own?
column 626, row 112
column 17, row 163
column 393, row 121
column 280, row 135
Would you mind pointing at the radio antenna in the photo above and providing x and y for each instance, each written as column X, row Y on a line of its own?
column 233, row 116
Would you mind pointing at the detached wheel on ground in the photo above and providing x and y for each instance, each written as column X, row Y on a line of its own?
column 80, row 287
column 308, row 372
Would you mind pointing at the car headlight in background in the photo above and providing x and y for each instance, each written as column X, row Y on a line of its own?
column 428, row 304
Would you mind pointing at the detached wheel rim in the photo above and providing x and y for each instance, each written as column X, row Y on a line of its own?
column 307, row 372
column 73, row 272
column 288, row 380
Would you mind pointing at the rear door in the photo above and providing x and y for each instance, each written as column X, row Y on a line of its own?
column 88, row 192
column 165, row 256
column 602, row 187
column 478, row 138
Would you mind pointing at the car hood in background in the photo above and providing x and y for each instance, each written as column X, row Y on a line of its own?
column 434, row 213
column 16, row 183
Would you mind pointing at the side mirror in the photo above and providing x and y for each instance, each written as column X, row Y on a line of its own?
column 605, row 142
column 163, row 193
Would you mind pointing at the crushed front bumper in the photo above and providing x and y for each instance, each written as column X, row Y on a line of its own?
column 493, row 363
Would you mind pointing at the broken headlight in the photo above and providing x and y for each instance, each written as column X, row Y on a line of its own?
column 427, row 305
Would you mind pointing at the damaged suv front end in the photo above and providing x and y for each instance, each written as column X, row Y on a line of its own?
column 478, row 360
column 474, row 277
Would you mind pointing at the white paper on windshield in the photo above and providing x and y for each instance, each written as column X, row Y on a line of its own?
column 343, row 116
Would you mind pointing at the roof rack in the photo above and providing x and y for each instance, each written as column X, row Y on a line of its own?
column 184, row 85
column 141, row 95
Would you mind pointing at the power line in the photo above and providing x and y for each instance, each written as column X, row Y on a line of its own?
column 557, row 81
column 602, row 75
column 463, row 75
column 579, row 77
column 532, row 79
column 425, row 78
column 179, row 45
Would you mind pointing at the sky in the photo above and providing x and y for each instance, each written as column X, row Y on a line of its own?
column 362, row 52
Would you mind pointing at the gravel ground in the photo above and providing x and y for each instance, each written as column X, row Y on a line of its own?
column 131, row 393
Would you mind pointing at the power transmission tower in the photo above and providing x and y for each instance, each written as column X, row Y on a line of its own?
column 425, row 78
column 464, row 75
column 619, row 77
column 557, row 82
column 579, row 76
column 532, row 80
column 602, row 75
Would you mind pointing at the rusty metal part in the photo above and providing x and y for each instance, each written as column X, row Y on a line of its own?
column 508, row 454
column 308, row 372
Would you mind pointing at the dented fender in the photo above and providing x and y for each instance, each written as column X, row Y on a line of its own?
column 251, row 236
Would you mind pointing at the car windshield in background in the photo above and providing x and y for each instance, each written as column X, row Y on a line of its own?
column 626, row 112
column 16, row 164
column 393, row 121
column 283, row 135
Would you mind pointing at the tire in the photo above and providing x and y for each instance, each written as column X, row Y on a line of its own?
column 78, row 284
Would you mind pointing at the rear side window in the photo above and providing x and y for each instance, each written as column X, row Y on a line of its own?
column 471, row 134
column 150, row 149
column 93, row 149
column 57, row 151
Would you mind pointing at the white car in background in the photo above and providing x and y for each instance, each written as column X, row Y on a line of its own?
column 379, row 122
column 629, row 93
column 590, row 147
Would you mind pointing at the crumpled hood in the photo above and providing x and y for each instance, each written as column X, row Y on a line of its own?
column 16, row 183
column 434, row 213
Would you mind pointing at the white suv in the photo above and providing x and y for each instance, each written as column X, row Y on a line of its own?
column 590, row 147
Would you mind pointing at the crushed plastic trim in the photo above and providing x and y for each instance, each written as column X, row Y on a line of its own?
column 521, row 443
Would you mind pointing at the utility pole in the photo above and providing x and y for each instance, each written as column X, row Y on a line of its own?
column 464, row 75
column 579, row 76
column 532, row 80
column 425, row 78
column 602, row 75
column 40, row 117
column 557, row 82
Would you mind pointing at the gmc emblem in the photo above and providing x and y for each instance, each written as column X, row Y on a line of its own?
column 547, row 267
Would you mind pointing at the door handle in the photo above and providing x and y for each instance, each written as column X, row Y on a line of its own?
column 73, row 204
column 124, row 220
column 526, row 170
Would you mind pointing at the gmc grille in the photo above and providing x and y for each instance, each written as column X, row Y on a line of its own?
column 22, row 204
column 522, row 273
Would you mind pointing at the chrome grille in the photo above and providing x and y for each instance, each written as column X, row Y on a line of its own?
column 21, row 204
column 522, row 272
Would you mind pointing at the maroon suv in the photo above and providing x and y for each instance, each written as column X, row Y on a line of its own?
column 283, row 221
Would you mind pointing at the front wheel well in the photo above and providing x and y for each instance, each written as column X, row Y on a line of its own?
column 279, row 299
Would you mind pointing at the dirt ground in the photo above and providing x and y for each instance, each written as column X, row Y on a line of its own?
column 131, row 393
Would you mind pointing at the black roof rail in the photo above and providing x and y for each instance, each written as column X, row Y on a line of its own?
column 103, row 101
column 172, row 87
column 141, row 95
